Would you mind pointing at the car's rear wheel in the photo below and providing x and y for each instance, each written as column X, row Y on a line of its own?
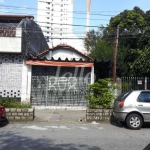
column 134, row 121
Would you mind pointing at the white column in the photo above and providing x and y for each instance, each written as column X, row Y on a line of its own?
column 29, row 82
column 92, row 75
column 24, row 82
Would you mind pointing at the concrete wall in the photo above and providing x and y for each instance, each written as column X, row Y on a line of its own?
column 98, row 114
column 15, row 77
column 10, row 75
column 20, row 114
column 11, row 44
column 26, row 82
column 63, row 54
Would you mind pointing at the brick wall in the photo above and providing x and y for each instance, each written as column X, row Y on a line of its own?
column 98, row 114
column 20, row 114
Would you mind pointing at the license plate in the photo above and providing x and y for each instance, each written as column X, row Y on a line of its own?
column 3, row 115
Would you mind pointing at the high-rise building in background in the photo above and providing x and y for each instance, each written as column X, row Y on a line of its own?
column 56, row 18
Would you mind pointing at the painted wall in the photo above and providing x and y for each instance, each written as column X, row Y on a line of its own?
column 15, row 77
column 10, row 75
column 11, row 44
column 64, row 53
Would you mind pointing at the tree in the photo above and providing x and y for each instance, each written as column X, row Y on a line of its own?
column 134, row 42
column 102, row 50
column 98, row 47
column 141, row 65
column 92, row 39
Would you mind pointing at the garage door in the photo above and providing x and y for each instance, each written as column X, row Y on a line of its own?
column 59, row 86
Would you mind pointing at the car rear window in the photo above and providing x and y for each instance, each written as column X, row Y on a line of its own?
column 122, row 96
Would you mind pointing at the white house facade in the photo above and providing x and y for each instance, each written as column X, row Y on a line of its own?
column 61, row 77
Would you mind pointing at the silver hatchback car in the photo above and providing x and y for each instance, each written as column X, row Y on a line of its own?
column 133, row 108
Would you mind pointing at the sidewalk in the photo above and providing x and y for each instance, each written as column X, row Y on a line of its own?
column 59, row 116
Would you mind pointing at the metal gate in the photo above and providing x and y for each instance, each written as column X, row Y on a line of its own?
column 135, row 83
column 59, row 86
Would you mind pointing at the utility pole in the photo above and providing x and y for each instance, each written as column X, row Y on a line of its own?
column 115, row 54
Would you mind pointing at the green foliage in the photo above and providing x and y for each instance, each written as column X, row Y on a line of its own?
column 92, row 39
column 102, row 50
column 100, row 94
column 142, row 62
column 126, row 86
column 12, row 103
column 133, row 42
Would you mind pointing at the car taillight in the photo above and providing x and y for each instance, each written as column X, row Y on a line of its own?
column 121, row 103
column 2, row 109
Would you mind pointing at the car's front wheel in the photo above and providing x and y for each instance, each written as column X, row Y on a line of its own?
column 134, row 121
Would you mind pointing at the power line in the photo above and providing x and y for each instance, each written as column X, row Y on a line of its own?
column 127, row 37
column 59, row 16
column 59, row 31
column 67, row 24
column 77, row 12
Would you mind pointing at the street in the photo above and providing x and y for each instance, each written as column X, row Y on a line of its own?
column 91, row 136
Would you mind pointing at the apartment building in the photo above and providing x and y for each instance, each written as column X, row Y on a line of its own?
column 52, row 16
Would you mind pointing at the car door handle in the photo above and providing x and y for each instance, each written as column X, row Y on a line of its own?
column 140, row 105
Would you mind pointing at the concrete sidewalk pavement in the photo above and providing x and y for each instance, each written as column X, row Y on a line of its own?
column 59, row 116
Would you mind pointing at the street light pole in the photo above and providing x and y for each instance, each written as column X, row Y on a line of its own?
column 115, row 54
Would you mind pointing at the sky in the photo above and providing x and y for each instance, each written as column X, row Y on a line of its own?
column 101, row 10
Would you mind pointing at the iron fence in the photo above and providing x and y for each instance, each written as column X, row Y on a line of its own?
column 134, row 83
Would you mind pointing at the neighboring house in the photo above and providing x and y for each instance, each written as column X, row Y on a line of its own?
column 20, row 38
column 30, row 71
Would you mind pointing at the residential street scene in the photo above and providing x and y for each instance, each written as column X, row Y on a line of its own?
column 74, row 75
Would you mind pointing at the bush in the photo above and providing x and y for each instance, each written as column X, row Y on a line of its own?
column 12, row 103
column 100, row 94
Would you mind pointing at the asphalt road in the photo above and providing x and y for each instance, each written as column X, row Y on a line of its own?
column 92, row 136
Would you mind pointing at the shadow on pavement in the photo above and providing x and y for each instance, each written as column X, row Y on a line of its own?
column 146, row 125
column 4, row 123
column 27, row 143
column 116, row 123
column 147, row 147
